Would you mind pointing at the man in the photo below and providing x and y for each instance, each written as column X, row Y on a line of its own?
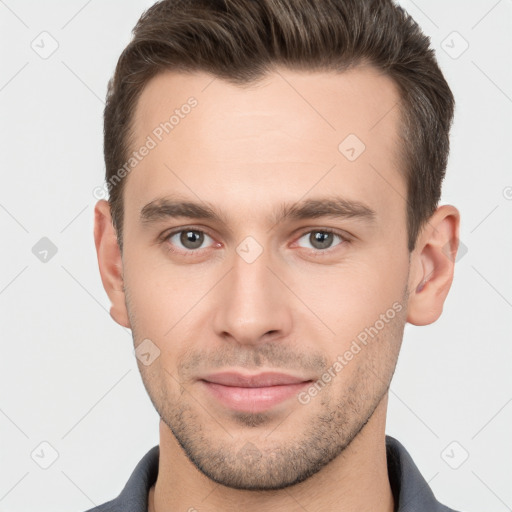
column 274, row 170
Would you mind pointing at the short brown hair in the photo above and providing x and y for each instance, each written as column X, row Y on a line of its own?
column 242, row 40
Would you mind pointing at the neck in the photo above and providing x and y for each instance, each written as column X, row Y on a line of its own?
column 357, row 480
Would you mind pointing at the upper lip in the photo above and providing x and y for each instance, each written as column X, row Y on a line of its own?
column 260, row 380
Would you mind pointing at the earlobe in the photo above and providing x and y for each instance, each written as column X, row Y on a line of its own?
column 110, row 262
column 432, row 266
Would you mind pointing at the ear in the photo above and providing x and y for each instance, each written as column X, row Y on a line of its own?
column 432, row 266
column 110, row 262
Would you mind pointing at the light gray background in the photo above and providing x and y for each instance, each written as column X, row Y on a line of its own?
column 67, row 372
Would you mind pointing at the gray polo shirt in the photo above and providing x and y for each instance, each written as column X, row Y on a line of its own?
column 410, row 490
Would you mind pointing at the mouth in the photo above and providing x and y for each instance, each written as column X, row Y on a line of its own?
column 252, row 393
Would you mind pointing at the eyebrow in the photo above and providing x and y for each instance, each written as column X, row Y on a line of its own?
column 333, row 206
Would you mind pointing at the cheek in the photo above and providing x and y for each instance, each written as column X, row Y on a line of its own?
column 347, row 299
column 159, row 291
column 166, row 304
column 150, row 297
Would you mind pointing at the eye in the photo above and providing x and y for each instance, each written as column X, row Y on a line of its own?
column 188, row 239
column 320, row 239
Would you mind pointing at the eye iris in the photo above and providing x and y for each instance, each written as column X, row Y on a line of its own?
column 321, row 239
column 192, row 239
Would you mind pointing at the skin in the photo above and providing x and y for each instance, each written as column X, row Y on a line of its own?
column 295, row 309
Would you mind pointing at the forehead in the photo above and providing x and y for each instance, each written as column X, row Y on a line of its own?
column 359, row 99
column 281, row 135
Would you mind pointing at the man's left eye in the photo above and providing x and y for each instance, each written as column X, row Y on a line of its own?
column 319, row 239
column 189, row 239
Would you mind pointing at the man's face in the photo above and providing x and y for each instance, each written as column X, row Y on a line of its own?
column 250, row 291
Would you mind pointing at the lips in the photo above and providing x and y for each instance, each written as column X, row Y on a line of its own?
column 253, row 381
column 252, row 393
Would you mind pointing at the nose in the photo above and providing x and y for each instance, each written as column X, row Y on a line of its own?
column 253, row 306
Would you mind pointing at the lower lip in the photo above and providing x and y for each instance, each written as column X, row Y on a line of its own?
column 253, row 399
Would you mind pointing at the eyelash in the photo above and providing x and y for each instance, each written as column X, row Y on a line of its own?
column 193, row 252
